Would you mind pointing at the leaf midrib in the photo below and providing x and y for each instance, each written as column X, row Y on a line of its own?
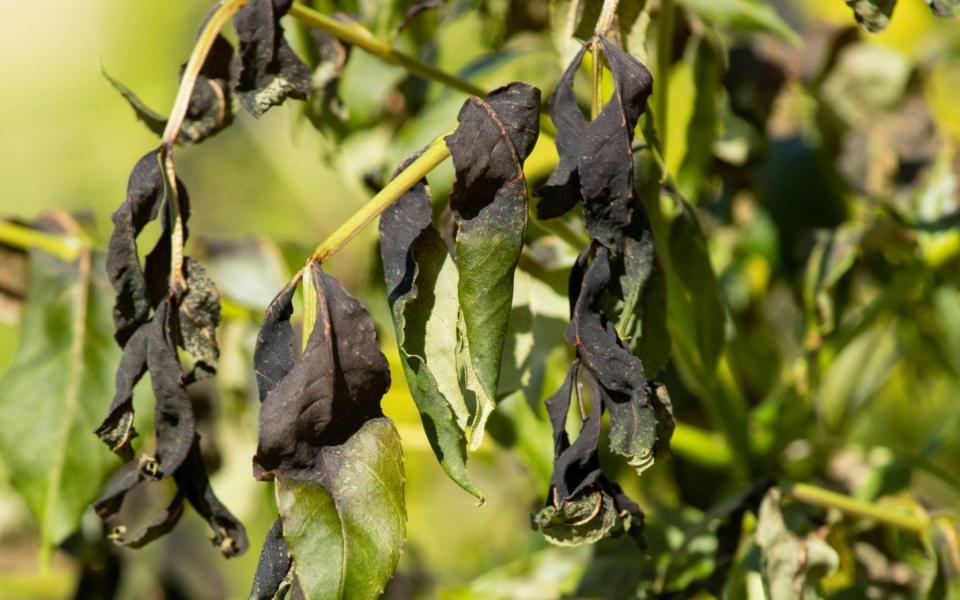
column 74, row 372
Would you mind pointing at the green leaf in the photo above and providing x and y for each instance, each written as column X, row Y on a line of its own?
column 58, row 383
column 790, row 564
column 549, row 573
column 421, row 280
column 743, row 15
column 702, row 128
column 345, row 529
column 872, row 15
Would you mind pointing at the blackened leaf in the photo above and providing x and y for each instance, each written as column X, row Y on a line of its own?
column 944, row 8
column 583, row 519
column 489, row 200
column 270, row 71
column 275, row 351
column 54, row 390
column 421, row 282
column 623, row 384
column 145, row 191
column 211, row 103
column 199, row 318
column 345, row 524
column 173, row 416
column 274, row 565
column 325, row 109
column 229, row 535
column 154, row 121
column 161, row 525
column 117, row 430
column 872, row 15
column 331, row 390
column 595, row 156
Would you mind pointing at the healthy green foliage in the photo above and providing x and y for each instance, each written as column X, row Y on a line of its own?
column 53, row 392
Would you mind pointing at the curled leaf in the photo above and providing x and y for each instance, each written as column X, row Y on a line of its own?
column 489, row 202
column 872, row 15
column 211, row 102
column 421, row 281
column 336, row 459
column 270, row 72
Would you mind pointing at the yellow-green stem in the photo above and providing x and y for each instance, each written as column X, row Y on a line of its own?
column 355, row 35
column 596, row 90
column 201, row 48
column 434, row 154
column 810, row 494
column 65, row 247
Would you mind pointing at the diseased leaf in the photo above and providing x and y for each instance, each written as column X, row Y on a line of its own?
column 595, row 156
column 489, row 202
column 421, row 282
column 211, row 102
column 53, row 390
column 269, row 71
column 336, row 459
column 872, row 15
column 193, row 485
column 271, row 578
column 345, row 525
column 329, row 391
column 325, row 109
column 199, row 318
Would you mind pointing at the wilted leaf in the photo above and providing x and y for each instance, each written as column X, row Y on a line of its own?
column 271, row 579
column 199, row 317
column 345, row 526
column 211, row 103
column 421, row 281
column 53, row 391
column 336, row 460
column 489, row 202
column 325, row 109
column 270, row 71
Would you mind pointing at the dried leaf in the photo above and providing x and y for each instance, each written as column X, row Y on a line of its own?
column 270, row 71
column 274, row 566
column 211, row 103
column 199, row 318
column 596, row 164
column 329, row 391
column 336, row 459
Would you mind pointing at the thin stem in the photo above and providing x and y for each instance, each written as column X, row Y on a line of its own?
column 434, row 154
column 596, row 89
column 665, row 25
column 65, row 247
column 198, row 56
column 607, row 13
column 355, row 35
column 810, row 494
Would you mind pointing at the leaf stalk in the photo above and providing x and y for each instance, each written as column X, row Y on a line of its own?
column 432, row 156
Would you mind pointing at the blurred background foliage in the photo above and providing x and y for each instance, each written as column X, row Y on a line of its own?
column 820, row 163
